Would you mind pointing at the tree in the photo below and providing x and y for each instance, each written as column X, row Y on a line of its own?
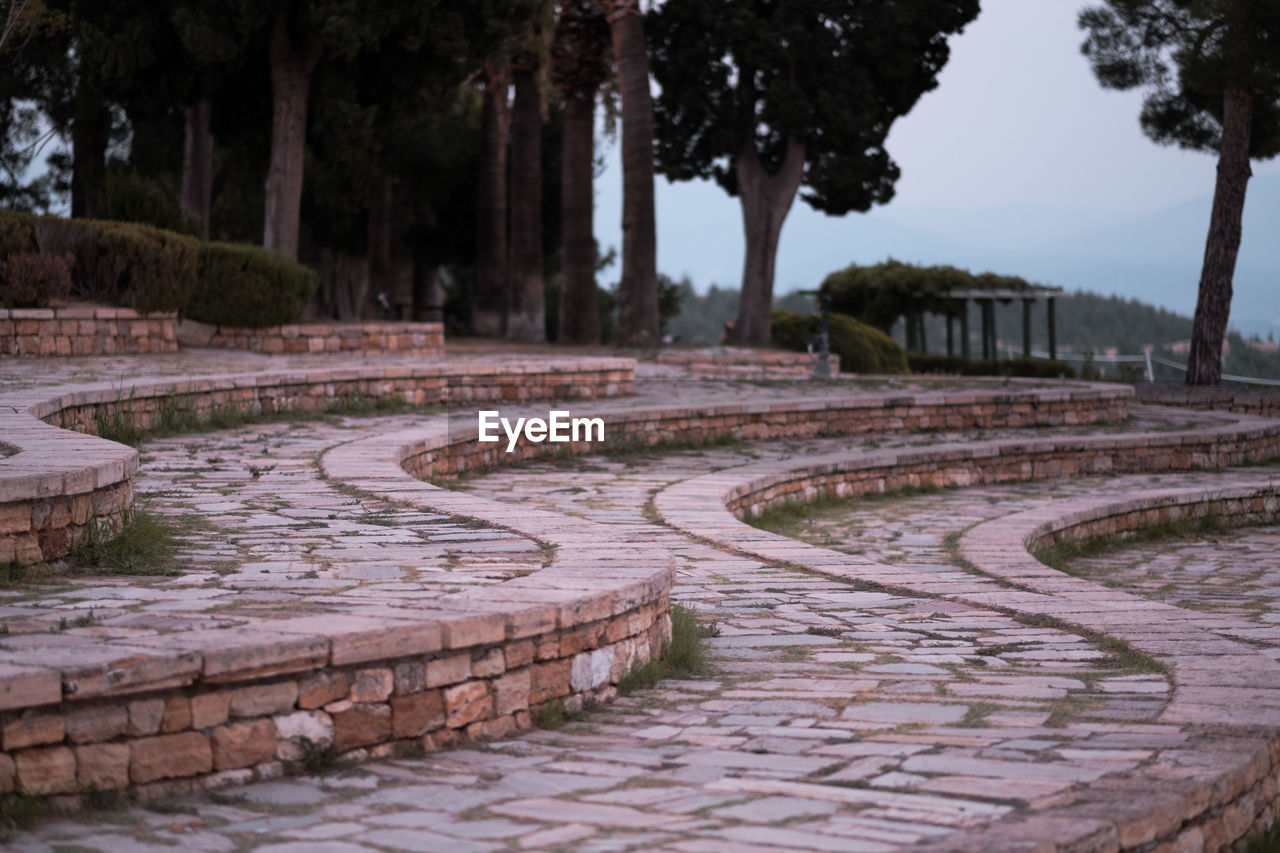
column 526, row 310
column 765, row 97
column 1214, row 74
column 489, row 312
column 638, row 290
column 578, row 68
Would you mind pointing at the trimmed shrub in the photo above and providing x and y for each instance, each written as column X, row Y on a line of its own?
column 126, row 196
column 879, row 294
column 862, row 348
column 16, row 233
column 1031, row 368
column 29, row 280
column 145, row 268
column 248, row 286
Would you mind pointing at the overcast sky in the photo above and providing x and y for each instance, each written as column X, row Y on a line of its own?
column 1017, row 119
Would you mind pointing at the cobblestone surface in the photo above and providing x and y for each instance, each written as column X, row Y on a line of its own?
column 836, row 719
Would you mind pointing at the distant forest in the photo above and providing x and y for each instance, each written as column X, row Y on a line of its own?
column 1087, row 323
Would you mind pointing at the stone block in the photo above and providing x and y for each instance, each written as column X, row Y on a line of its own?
column 548, row 681
column 243, row 744
column 262, row 700
column 96, row 723
column 315, row 727
column 210, row 709
column 410, row 677
column 15, row 518
column 520, row 654
column 169, row 756
column 31, row 730
column 449, row 670
column 467, row 703
column 321, row 688
column 145, row 716
column 102, row 766
column 372, row 685
column 177, row 715
column 511, row 692
column 8, row 773
column 47, row 770
column 489, row 664
column 416, row 713
column 361, row 725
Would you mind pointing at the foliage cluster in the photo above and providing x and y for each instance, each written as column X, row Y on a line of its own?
column 1034, row 368
column 861, row 348
column 684, row 656
column 241, row 285
column 881, row 293
column 44, row 259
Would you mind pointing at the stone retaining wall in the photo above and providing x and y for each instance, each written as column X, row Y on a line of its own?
column 1208, row 794
column 61, row 478
column 1245, row 401
column 946, row 467
column 742, row 363
column 218, row 707
column 85, row 331
column 367, row 337
column 851, row 415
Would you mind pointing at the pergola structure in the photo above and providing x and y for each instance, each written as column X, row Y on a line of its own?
column 986, row 299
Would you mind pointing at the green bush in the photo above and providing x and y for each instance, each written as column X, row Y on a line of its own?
column 126, row 196
column 138, row 266
column 879, row 294
column 29, row 280
column 862, row 349
column 247, row 286
column 16, row 233
column 1032, row 368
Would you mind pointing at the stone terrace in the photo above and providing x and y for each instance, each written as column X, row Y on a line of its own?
column 878, row 689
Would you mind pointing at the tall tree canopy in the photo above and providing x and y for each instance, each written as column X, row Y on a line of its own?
column 1213, row 70
column 765, row 97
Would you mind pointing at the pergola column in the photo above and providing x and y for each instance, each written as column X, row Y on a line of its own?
column 1026, row 328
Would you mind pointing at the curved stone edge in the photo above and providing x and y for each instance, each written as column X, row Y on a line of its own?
column 390, row 337
column 1222, row 784
column 209, row 708
column 85, row 330
column 62, row 475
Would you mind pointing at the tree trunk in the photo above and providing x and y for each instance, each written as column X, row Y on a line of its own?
column 766, row 199
column 638, row 292
column 350, row 281
column 378, row 238
column 526, row 313
column 197, row 165
column 489, row 309
column 579, row 318
column 291, row 67
column 90, row 133
column 1213, row 307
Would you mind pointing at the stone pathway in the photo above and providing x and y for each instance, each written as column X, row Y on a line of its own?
column 836, row 719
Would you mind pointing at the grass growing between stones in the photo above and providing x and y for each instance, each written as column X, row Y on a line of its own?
column 1264, row 840
column 792, row 519
column 179, row 415
column 144, row 545
column 685, row 656
column 1060, row 555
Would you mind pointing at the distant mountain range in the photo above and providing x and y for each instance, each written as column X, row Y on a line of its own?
column 1154, row 258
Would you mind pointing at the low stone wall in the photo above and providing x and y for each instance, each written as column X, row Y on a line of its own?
column 1207, row 794
column 946, row 467
column 368, row 337
column 205, row 709
column 85, row 331
column 61, row 477
column 807, row 418
column 741, row 363
column 1244, row 401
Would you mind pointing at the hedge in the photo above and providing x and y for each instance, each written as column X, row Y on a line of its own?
column 147, row 269
column 879, row 294
column 247, row 286
column 862, row 349
column 1032, row 368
